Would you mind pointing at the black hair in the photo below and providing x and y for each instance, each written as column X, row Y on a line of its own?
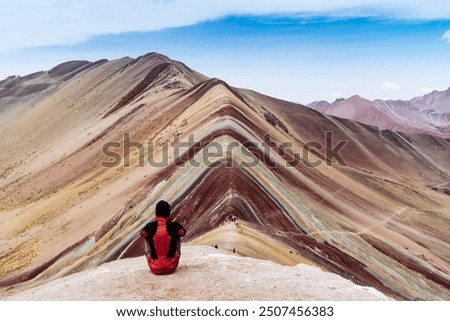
column 163, row 209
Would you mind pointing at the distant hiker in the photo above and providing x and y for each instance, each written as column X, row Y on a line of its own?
column 163, row 241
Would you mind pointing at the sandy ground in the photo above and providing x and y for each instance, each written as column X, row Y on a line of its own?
column 204, row 273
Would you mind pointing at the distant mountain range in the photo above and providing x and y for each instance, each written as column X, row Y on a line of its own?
column 429, row 113
column 89, row 148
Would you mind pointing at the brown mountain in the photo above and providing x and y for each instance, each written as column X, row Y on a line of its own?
column 428, row 114
column 89, row 148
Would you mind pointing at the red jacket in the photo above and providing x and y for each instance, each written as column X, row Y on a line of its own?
column 163, row 237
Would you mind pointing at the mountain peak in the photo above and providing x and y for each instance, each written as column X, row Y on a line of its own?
column 154, row 56
column 339, row 100
column 420, row 114
column 355, row 98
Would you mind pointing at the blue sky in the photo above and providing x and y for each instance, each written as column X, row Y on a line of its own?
column 294, row 50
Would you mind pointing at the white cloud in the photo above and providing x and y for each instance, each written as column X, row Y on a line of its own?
column 425, row 90
column 390, row 86
column 446, row 36
column 337, row 94
column 29, row 23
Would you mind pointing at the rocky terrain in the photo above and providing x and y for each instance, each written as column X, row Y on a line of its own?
column 89, row 148
column 427, row 114
column 224, row 277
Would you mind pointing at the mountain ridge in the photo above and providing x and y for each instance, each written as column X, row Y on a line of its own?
column 429, row 113
column 375, row 220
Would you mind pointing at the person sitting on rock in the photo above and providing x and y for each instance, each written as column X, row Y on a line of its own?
column 163, row 241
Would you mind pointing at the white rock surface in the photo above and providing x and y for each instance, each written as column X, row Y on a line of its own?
column 204, row 273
